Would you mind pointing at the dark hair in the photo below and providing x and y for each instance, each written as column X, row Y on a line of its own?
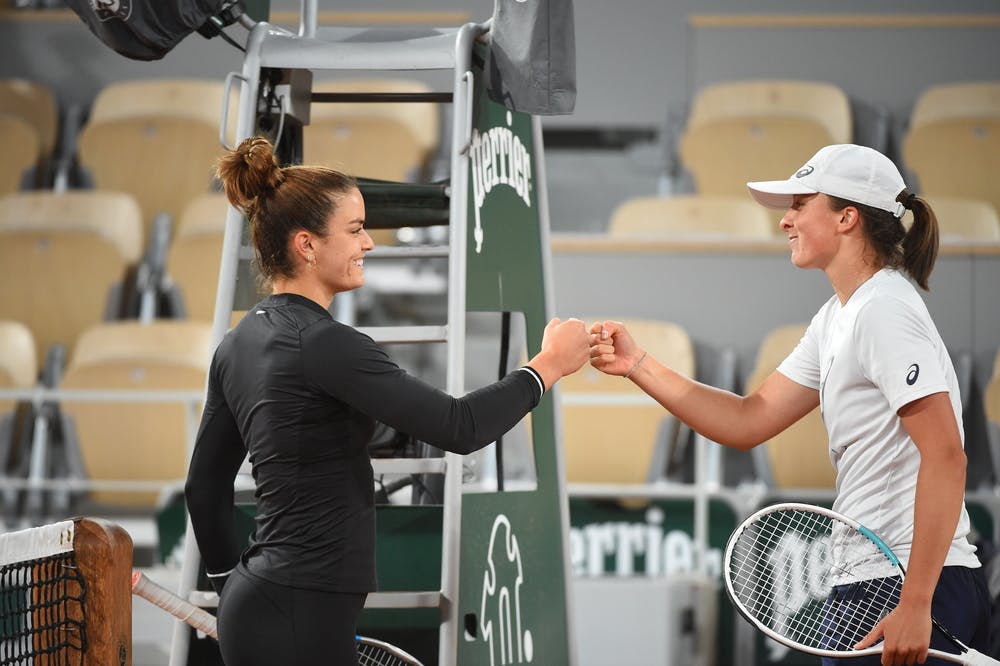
column 914, row 250
column 279, row 201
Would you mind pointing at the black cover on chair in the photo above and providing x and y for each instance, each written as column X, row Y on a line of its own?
column 532, row 56
column 145, row 29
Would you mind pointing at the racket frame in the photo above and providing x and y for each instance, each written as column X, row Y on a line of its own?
column 968, row 656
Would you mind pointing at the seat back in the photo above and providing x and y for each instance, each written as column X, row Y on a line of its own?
column 59, row 256
column 759, row 130
column 610, row 426
column 157, row 140
column 18, row 366
column 991, row 407
column 964, row 220
column 22, row 151
column 695, row 216
column 799, row 456
column 194, row 255
column 381, row 140
column 29, row 119
column 953, row 142
column 35, row 104
column 137, row 440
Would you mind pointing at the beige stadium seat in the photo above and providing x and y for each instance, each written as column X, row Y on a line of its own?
column 136, row 440
column 799, row 457
column 60, row 257
column 18, row 365
column 991, row 405
column 963, row 220
column 759, row 130
column 22, row 151
column 610, row 427
column 194, row 256
column 381, row 140
column 694, row 216
column 157, row 139
column 953, row 142
column 29, row 119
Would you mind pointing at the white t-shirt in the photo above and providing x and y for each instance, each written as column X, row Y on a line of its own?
column 868, row 358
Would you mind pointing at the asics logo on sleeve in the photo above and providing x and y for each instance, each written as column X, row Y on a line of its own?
column 912, row 373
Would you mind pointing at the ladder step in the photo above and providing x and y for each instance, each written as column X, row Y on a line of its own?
column 381, row 252
column 431, row 599
column 436, row 51
column 404, row 252
column 409, row 465
column 404, row 600
column 400, row 334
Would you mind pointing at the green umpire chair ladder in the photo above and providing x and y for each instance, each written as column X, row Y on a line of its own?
column 502, row 593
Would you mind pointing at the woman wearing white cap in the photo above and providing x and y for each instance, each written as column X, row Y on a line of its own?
column 873, row 360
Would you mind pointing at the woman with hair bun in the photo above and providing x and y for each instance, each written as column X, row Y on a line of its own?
column 300, row 394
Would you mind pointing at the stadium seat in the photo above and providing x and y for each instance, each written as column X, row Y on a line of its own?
column 381, row 140
column 63, row 258
column 953, row 141
column 157, row 139
column 695, row 216
column 136, row 440
column 18, row 366
column 991, row 405
column 193, row 259
column 22, row 151
column 964, row 220
column 612, row 431
column 759, row 130
column 29, row 119
column 799, row 457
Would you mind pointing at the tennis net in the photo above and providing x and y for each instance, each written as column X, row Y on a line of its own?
column 60, row 600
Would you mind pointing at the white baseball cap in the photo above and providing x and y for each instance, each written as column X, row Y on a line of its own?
column 856, row 173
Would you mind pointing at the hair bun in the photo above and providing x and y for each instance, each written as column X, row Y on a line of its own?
column 249, row 173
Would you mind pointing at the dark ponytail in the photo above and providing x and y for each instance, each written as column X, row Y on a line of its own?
column 914, row 250
column 279, row 201
column 920, row 247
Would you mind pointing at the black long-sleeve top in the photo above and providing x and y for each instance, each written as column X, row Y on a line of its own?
column 300, row 393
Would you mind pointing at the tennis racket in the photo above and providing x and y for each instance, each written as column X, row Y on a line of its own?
column 371, row 652
column 782, row 565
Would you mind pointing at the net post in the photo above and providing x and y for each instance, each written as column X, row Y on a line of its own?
column 104, row 554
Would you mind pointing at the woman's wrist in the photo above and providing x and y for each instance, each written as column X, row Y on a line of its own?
column 635, row 366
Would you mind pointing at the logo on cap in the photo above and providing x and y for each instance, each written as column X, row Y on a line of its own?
column 804, row 171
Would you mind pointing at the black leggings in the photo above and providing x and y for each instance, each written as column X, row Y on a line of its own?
column 264, row 624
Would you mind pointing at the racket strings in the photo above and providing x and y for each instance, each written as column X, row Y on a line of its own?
column 781, row 570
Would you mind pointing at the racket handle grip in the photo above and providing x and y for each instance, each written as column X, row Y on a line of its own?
column 180, row 608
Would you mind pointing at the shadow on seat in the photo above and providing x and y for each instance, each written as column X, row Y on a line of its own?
column 29, row 119
column 691, row 217
column 991, row 406
column 799, row 457
column 137, row 441
column 193, row 259
column 18, row 370
column 612, row 431
column 63, row 258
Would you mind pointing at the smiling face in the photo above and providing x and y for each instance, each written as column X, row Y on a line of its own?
column 340, row 253
column 811, row 227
